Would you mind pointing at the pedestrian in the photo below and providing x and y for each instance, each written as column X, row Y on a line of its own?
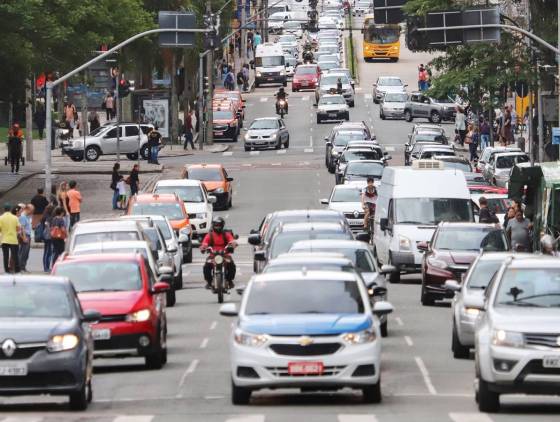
column 39, row 202
column 513, row 119
column 257, row 39
column 134, row 179
column 518, row 232
column 115, row 177
column 486, row 215
column 484, row 133
column 109, row 104
column 229, row 81
column 188, row 130
column 122, row 188
column 460, row 125
column 40, row 118
column 245, row 77
column 93, row 119
column 46, row 223
column 154, row 140
column 422, row 74
column 25, row 236
column 10, row 228
column 506, row 135
column 15, row 143
column 240, row 81
column 59, row 233
column 70, row 115
column 74, row 202
column 471, row 139
column 63, row 201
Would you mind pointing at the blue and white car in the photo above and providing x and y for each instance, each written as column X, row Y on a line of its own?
column 326, row 339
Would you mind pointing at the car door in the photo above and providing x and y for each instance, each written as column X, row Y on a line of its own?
column 227, row 182
column 423, row 106
column 109, row 141
column 283, row 130
column 488, row 169
column 131, row 141
column 415, row 104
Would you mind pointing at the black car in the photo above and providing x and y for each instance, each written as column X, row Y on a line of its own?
column 46, row 345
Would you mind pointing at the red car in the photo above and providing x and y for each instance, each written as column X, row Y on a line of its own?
column 481, row 189
column 306, row 76
column 131, row 300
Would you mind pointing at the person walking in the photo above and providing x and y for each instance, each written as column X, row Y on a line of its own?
column 122, row 188
column 506, row 135
column 229, row 80
column 63, row 201
column 46, row 222
column 40, row 119
column 25, row 236
column 10, row 228
column 471, row 139
column 460, row 125
column 188, row 130
column 15, row 146
column 518, row 232
column 109, row 102
column 245, row 77
column 59, row 233
column 70, row 115
column 257, row 39
column 484, row 133
column 39, row 202
column 422, row 78
column 115, row 176
column 93, row 119
column 74, row 202
column 154, row 140
column 134, row 179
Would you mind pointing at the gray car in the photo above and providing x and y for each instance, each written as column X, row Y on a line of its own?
column 392, row 105
column 328, row 83
column 46, row 345
column 267, row 132
column 420, row 105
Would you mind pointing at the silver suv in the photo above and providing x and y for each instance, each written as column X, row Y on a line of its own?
column 420, row 105
column 103, row 141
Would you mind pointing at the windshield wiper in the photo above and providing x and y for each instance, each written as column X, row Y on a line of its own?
column 101, row 290
column 260, row 313
column 518, row 303
column 410, row 222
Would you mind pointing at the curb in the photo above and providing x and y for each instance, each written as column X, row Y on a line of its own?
column 20, row 181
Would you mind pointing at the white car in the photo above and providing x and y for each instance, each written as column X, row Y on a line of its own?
column 387, row 84
column 348, row 200
column 282, row 340
column 198, row 202
column 392, row 105
column 294, row 28
column 332, row 107
column 287, row 40
column 291, row 63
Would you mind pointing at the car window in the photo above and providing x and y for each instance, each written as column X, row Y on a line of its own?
column 482, row 273
column 164, row 228
column 264, row 124
column 206, row 174
column 282, row 242
column 99, row 237
column 534, row 287
column 185, row 193
column 346, row 195
column 99, row 276
column 171, row 210
column 313, row 266
column 113, row 133
column 470, row 239
column 34, row 300
column 131, row 131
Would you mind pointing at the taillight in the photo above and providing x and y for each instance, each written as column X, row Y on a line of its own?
column 477, row 170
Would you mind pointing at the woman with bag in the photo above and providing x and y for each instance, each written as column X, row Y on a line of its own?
column 46, row 221
column 58, row 233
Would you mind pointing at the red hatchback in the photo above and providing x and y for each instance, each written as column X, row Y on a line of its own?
column 306, row 76
column 131, row 300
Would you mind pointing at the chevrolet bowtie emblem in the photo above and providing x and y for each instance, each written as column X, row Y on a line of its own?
column 9, row 348
column 305, row 341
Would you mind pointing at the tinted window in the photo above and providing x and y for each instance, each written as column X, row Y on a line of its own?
column 101, row 276
column 431, row 210
column 283, row 241
column 329, row 297
column 365, row 169
column 360, row 155
column 265, row 124
column 306, row 71
column 530, row 287
column 482, row 274
column 131, row 131
column 395, row 98
column 342, row 138
column 470, row 239
column 171, row 210
column 207, row 174
column 164, row 228
column 335, row 99
column 82, row 239
column 33, row 300
column 222, row 115
column 308, row 266
column 93, row 251
column 347, row 195
column 457, row 165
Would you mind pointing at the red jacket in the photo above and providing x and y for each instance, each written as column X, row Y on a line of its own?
column 217, row 241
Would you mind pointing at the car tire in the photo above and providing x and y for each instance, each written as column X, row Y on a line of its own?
column 240, row 395
column 331, row 169
column 347, row 117
column 294, row 90
column 157, row 359
column 319, row 120
column 285, row 83
column 133, row 156
column 382, row 116
column 426, row 298
column 144, row 152
column 408, row 116
column 394, row 59
column 488, row 400
column 435, row 117
column 287, row 144
column 80, row 400
column 351, row 104
column 187, row 259
column 257, row 84
column 234, row 139
column 395, row 277
column 247, row 148
column 278, row 144
column 75, row 158
column 171, row 297
column 383, row 329
column 372, row 394
column 178, row 281
column 375, row 100
column 93, row 153
column 459, row 351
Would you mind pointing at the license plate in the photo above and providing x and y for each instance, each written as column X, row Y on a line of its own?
column 353, row 222
column 16, row 370
column 101, row 334
column 218, row 133
column 269, row 79
column 551, row 362
column 304, row 83
column 305, row 368
column 332, row 115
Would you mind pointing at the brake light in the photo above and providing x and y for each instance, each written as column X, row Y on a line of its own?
column 477, row 170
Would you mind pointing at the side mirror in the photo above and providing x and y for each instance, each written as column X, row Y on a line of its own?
column 377, row 291
column 407, row 145
column 405, row 85
column 363, row 237
column 387, row 157
column 254, row 239
column 423, row 246
column 160, row 287
column 230, row 179
column 164, row 269
column 388, row 269
column 324, row 201
column 260, row 256
column 183, row 238
column 374, row 84
column 382, row 308
column 452, row 285
column 229, row 309
column 475, row 302
column 384, row 224
column 92, row 316
column 240, row 289
column 211, row 199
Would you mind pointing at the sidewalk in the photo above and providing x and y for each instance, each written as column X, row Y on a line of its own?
column 238, row 64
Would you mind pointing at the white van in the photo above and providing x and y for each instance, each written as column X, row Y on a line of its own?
column 270, row 65
column 411, row 202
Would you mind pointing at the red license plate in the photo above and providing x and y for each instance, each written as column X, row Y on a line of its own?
column 305, row 368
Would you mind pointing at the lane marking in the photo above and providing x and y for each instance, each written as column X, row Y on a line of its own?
column 275, row 164
column 425, row 375
column 204, row 343
column 254, row 152
column 311, row 141
column 470, row 417
column 390, row 149
column 309, row 150
column 357, row 418
column 305, row 98
column 264, row 99
column 408, row 341
column 281, row 151
column 189, row 370
column 311, row 128
column 399, row 321
column 368, row 96
column 227, row 153
column 213, row 325
column 137, row 418
column 248, row 164
column 21, row 419
column 246, row 418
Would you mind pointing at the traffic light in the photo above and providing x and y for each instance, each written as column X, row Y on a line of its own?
column 206, row 85
column 124, row 88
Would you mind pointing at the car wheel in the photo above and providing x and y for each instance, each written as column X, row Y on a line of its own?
column 435, row 117
column 256, row 85
column 372, row 394
column 133, row 156
column 73, row 158
column 383, row 328
column 294, row 90
column 247, row 148
column 230, row 202
column 187, row 259
column 240, row 395
column 80, row 399
column 394, row 277
column 278, row 144
column 394, row 59
column 285, row 83
column 375, row 100
column 171, row 297
column 156, row 359
column 488, row 400
column 347, row 117
column 408, row 115
column 351, row 104
column 381, row 116
column 92, row 153
column 178, row 282
column 426, row 298
column 287, row 144
column 459, row 351
column 235, row 137
column 144, row 152
column 319, row 120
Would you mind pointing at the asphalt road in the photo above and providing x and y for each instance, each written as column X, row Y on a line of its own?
column 420, row 379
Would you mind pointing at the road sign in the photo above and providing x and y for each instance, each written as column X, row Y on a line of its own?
column 556, row 136
column 388, row 11
column 176, row 20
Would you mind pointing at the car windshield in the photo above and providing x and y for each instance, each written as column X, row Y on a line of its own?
column 328, row 65
column 206, row 174
column 306, row 71
column 335, row 99
column 359, row 257
column 222, row 115
column 326, row 57
column 287, row 38
column 395, row 98
column 171, row 210
column 282, row 242
column 329, row 297
column 333, row 79
column 360, row 155
column 313, row 266
column 292, row 25
column 470, row 239
column 389, row 82
column 265, row 124
column 510, row 160
column 429, row 137
column 499, row 205
column 100, row 249
column 99, row 276
column 97, row 131
column 347, row 195
column 269, row 61
column 482, row 273
column 457, row 165
column 365, row 169
column 379, row 35
column 434, row 153
column 34, row 300
column 185, row 193
column 100, row 237
column 534, row 287
column 432, row 210
column 343, row 137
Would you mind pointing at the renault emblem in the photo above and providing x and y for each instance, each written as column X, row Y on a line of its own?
column 305, row 341
column 9, row 348
column 356, row 214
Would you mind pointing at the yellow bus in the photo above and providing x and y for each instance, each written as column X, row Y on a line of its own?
column 381, row 41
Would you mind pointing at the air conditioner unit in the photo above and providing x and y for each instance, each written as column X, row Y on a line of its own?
column 427, row 165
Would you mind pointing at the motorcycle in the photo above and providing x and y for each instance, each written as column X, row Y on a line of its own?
column 219, row 258
column 281, row 107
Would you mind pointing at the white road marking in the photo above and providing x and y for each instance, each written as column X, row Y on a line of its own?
column 247, row 164
column 21, row 419
column 254, row 152
column 281, row 151
column 311, row 128
column 304, row 163
column 311, row 141
column 399, row 321
column 213, row 397
column 390, row 149
column 470, row 417
column 309, row 150
column 408, row 341
column 305, row 98
column 358, row 88
column 213, row 325
column 246, row 418
column 425, row 375
column 189, row 370
column 275, row 164
column 357, row 418
column 136, row 418
column 227, row 153
column 204, row 343
column 368, row 96
column 264, row 99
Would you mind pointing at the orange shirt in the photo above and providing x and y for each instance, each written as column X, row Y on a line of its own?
column 74, row 200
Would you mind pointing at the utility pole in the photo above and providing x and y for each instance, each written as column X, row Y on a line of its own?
column 244, row 4
column 118, row 114
column 265, row 17
column 28, row 121
column 558, row 59
column 210, row 75
column 541, row 121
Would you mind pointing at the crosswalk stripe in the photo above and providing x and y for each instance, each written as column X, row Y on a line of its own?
column 470, row 417
column 357, row 418
column 227, row 153
column 305, row 98
column 390, row 149
column 254, row 153
column 246, row 418
column 281, row 151
column 22, row 419
column 135, row 418
column 308, row 150
column 368, row 96
column 264, row 99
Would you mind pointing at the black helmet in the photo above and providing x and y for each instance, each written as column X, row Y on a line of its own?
column 218, row 224
column 281, row 89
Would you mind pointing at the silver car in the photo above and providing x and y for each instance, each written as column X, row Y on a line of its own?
column 387, row 84
column 517, row 335
column 267, row 132
column 498, row 170
column 332, row 107
column 392, row 105
column 328, row 83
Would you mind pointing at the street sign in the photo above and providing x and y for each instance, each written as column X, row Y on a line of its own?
column 176, row 20
column 388, row 11
column 556, row 136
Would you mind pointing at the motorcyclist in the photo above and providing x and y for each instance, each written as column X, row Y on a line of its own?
column 369, row 200
column 281, row 95
column 548, row 245
column 218, row 239
column 308, row 56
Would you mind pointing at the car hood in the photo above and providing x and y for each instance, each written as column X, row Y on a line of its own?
column 458, row 257
column 308, row 324
column 416, row 233
column 526, row 319
column 326, row 87
column 261, row 132
column 210, row 186
column 331, row 107
column 390, row 88
column 195, row 207
column 390, row 104
column 346, row 206
column 110, row 303
column 31, row 330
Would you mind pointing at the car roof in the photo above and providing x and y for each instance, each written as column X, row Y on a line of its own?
column 104, row 225
column 34, row 278
column 310, row 258
column 359, row 149
column 120, row 257
column 312, row 226
column 156, row 197
column 497, row 256
column 178, row 182
column 114, row 244
column 204, row 165
column 305, row 275
column 454, row 158
column 328, row 244
column 466, row 225
column 510, row 154
column 536, row 261
column 305, row 213
column 366, row 162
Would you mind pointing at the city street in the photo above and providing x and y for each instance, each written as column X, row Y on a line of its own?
column 421, row 381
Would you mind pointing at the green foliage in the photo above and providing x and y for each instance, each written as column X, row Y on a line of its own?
column 421, row 7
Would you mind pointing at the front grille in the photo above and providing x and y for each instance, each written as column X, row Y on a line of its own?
column 220, row 127
column 310, row 350
column 22, row 353
column 192, row 215
column 547, row 340
column 271, row 74
column 113, row 318
column 126, row 341
column 282, row 372
column 39, row 380
column 354, row 216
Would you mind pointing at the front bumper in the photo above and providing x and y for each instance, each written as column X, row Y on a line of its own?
column 225, row 133
column 332, row 114
column 304, row 85
column 405, row 261
column 268, row 78
column 72, row 153
column 434, row 279
column 125, row 339
column 261, row 142
column 394, row 114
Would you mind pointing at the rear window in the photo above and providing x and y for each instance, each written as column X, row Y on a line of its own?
column 284, row 241
column 206, row 174
column 171, row 210
column 99, row 276
column 306, row 71
column 34, row 300
column 99, row 237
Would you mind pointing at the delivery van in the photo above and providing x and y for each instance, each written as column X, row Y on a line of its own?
column 270, row 65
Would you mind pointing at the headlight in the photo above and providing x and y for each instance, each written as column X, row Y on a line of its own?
column 438, row 263
column 201, row 215
column 77, row 144
column 61, row 343
column 362, row 337
column 335, row 153
column 219, row 190
column 404, row 243
column 507, row 338
column 259, row 74
column 219, row 259
column 282, row 72
column 248, row 339
column 139, row 316
column 471, row 312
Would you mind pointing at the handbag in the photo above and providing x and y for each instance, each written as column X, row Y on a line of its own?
column 58, row 233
